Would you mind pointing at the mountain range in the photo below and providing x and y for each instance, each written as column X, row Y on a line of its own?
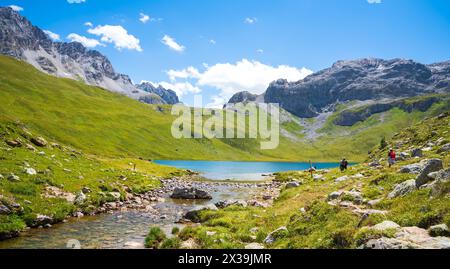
column 22, row 40
column 364, row 80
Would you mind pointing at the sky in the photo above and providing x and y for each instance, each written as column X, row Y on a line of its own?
column 219, row 47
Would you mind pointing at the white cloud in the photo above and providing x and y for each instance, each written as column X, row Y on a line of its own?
column 251, row 20
column 374, row 1
column 53, row 36
column 212, row 41
column 260, row 51
column 88, row 24
column 117, row 35
column 87, row 42
column 144, row 18
column 16, row 8
column 245, row 75
column 172, row 44
column 190, row 72
column 75, row 1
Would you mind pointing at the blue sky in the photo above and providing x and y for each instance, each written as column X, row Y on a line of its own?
column 218, row 47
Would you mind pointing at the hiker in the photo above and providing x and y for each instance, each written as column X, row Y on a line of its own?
column 391, row 157
column 344, row 165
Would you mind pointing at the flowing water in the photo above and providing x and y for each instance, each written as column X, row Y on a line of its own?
column 128, row 229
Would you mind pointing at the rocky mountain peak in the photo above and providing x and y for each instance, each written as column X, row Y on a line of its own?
column 21, row 40
column 362, row 79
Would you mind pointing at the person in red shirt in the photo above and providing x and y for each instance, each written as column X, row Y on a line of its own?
column 391, row 157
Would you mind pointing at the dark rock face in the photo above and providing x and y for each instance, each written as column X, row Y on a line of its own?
column 167, row 96
column 21, row 40
column 190, row 193
column 365, row 79
column 243, row 97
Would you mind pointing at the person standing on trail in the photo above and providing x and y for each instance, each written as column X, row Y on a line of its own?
column 344, row 165
column 391, row 157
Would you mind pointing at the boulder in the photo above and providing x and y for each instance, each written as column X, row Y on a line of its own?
column 80, row 198
column 30, row 147
column 42, row 220
column 430, row 166
column 4, row 210
column 228, row 203
column 114, row 195
column 194, row 214
column 1, row 177
column 13, row 178
column 385, row 225
column 334, row 195
column 39, row 141
column 190, row 193
column 275, row 235
column 354, row 196
column 340, row 179
column 415, row 168
column 254, row 246
column 439, row 230
column 86, row 190
column 13, row 143
column 444, row 148
column 389, row 243
column 417, row 152
column 293, row 184
column 420, row 237
column 318, row 177
column 30, row 171
column 403, row 189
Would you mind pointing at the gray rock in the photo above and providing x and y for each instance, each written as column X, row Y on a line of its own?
column 334, row 195
column 13, row 178
column 385, row 225
column 39, row 141
column 228, row 203
column 415, row 168
column 430, row 166
column 80, row 198
column 293, row 184
column 190, row 193
column 439, row 230
column 1, row 177
column 4, row 210
column 254, row 246
column 389, row 243
column 403, row 189
column 30, row 171
column 445, row 148
column 340, row 179
column 193, row 215
column 42, row 220
column 114, row 195
column 417, row 152
column 86, row 190
column 275, row 235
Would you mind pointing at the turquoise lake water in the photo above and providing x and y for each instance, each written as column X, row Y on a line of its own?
column 223, row 170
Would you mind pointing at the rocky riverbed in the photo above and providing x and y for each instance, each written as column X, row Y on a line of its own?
column 124, row 224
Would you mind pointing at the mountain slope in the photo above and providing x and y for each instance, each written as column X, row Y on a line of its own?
column 104, row 123
column 21, row 40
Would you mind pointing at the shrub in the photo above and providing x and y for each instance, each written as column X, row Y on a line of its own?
column 154, row 238
column 171, row 243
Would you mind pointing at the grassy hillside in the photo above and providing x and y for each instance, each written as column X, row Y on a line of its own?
column 313, row 220
column 102, row 123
